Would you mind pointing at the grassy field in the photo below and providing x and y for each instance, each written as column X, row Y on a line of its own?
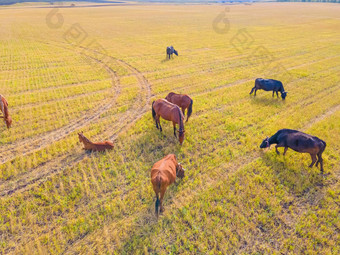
column 99, row 70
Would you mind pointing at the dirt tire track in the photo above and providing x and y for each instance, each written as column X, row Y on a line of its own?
column 321, row 117
column 31, row 145
column 48, row 169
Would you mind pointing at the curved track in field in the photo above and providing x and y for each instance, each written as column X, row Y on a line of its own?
column 32, row 145
column 39, row 174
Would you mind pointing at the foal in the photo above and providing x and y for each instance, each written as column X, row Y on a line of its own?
column 99, row 146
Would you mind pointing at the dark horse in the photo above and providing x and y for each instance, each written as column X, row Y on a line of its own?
column 4, row 109
column 269, row 85
column 170, row 50
column 298, row 141
column 183, row 101
column 171, row 112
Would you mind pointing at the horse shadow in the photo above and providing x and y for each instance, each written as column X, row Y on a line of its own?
column 303, row 182
column 165, row 60
column 267, row 101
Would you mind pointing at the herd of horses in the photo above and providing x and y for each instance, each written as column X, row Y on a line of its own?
column 173, row 108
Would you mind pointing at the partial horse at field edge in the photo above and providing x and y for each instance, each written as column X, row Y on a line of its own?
column 4, row 109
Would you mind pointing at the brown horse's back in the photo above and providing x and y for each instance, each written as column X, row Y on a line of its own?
column 4, row 105
column 163, row 172
column 101, row 146
column 97, row 146
column 183, row 101
column 167, row 110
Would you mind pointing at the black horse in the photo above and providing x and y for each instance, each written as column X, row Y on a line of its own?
column 170, row 50
column 297, row 141
column 269, row 85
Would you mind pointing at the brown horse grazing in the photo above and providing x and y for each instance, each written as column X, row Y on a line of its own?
column 164, row 173
column 171, row 112
column 183, row 101
column 298, row 141
column 4, row 110
column 100, row 146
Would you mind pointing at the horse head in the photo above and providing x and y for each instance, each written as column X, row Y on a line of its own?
column 8, row 121
column 181, row 135
column 81, row 136
column 265, row 143
column 180, row 170
column 283, row 95
column 176, row 53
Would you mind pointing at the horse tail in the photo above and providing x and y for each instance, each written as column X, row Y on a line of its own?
column 323, row 147
column 190, row 109
column 157, row 206
column 153, row 111
column 158, row 202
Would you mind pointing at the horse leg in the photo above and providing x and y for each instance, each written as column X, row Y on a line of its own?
column 252, row 91
column 159, row 122
column 273, row 93
column 313, row 156
column 174, row 123
column 320, row 160
column 277, row 146
column 162, row 196
column 277, row 93
column 156, row 122
column 255, row 91
column 284, row 152
column 183, row 110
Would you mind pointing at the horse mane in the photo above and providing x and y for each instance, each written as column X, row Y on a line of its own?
column 181, row 126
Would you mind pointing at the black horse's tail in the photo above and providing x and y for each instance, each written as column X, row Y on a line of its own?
column 190, row 109
column 153, row 111
column 323, row 147
column 158, row 202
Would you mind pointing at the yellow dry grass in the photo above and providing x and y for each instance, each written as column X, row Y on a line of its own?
column 99, row 72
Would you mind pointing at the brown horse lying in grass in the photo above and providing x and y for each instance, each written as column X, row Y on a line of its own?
column 4, row 110
column 298, row 141
column 100, row 146
column 183, row 101
column 164, row 173
column 171, row 112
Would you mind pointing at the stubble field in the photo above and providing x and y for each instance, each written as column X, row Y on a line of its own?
column 98, row 70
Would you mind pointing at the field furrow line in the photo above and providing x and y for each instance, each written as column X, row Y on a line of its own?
column 41, row 173
column 176, row 201
column 239, row 82
column 22, row 148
